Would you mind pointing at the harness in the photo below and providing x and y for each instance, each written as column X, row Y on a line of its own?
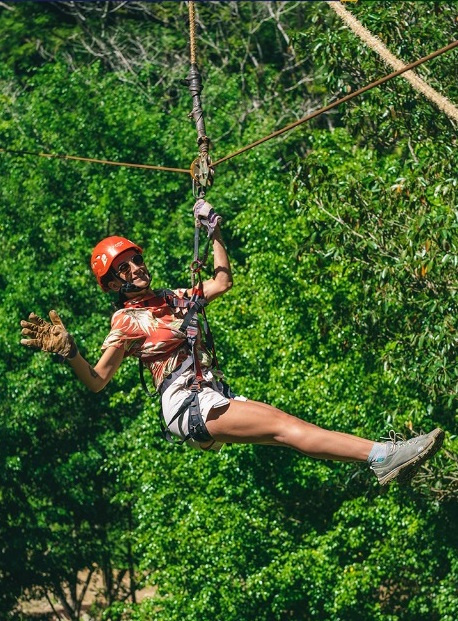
column 190, row 327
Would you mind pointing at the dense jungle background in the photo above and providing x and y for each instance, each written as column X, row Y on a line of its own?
column 343, row 239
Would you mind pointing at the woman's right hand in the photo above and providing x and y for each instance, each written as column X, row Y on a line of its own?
column 51, row 337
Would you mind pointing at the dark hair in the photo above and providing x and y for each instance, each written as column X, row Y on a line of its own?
column 106, row 279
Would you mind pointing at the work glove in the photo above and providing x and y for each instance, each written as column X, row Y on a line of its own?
column 52, row 337
column 205, row 216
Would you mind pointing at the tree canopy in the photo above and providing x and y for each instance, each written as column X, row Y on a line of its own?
column 343, row 238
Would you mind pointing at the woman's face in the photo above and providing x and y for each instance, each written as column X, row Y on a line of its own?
column 130, row 267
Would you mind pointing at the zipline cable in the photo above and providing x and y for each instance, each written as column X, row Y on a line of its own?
column 94, row 161
column 364, row 89
column 380, row 48
column 278, row 132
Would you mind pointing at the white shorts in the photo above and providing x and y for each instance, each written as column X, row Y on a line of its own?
column 209, row 397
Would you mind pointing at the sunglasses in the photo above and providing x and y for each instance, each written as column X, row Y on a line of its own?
column 137, row 259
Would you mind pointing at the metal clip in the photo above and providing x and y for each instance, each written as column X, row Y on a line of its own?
column 196, row 265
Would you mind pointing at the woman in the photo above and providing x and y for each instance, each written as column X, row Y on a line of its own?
column 196, row 406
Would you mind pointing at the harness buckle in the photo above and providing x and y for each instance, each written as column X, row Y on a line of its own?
column 196, row 385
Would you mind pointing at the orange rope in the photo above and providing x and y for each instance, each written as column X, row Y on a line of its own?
column 447, row 48
column 364, row 89
column 95, row 161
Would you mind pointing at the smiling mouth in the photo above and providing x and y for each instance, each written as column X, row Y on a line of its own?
column 142, row 276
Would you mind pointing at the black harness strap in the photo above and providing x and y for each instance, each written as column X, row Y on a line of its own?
column 165, row 428
column 141, row 371
column 196, row 306
column 196, row 426
column 168, row 381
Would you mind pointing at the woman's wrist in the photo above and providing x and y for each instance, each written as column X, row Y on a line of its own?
column 73, row 351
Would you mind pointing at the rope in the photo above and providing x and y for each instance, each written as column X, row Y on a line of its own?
column 201, row 169
column 274, row 134
column 378, row 82
column 192, row 32
column 374, row 42
column 94, row 161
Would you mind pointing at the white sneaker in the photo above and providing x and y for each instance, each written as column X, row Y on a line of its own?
column 404, row 457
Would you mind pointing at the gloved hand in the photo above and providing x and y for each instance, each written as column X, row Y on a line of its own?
column 52, row 337
column 205, row 216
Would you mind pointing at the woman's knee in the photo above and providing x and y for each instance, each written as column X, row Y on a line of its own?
column 279, row 425
column 289, row 430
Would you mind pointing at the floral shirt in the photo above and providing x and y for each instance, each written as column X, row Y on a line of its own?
column 151, row 331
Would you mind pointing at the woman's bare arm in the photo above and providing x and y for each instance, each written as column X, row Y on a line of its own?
column 97, row 377
column 222, row 274
column 54, row 338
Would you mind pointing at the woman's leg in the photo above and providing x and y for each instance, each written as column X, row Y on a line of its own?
column 257, row 423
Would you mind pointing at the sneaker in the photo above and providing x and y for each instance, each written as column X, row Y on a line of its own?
column 404, row 457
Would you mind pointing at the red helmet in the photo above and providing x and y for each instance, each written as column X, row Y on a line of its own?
column 105, row 252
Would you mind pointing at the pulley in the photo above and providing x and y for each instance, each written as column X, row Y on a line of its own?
column 202, row 175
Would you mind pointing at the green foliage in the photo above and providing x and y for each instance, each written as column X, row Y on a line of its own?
column 343, row 239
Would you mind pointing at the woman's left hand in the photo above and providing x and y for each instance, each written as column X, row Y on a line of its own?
column 206, row 216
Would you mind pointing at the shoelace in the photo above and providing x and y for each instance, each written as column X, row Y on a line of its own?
column 397, row 440
column 394, row 438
